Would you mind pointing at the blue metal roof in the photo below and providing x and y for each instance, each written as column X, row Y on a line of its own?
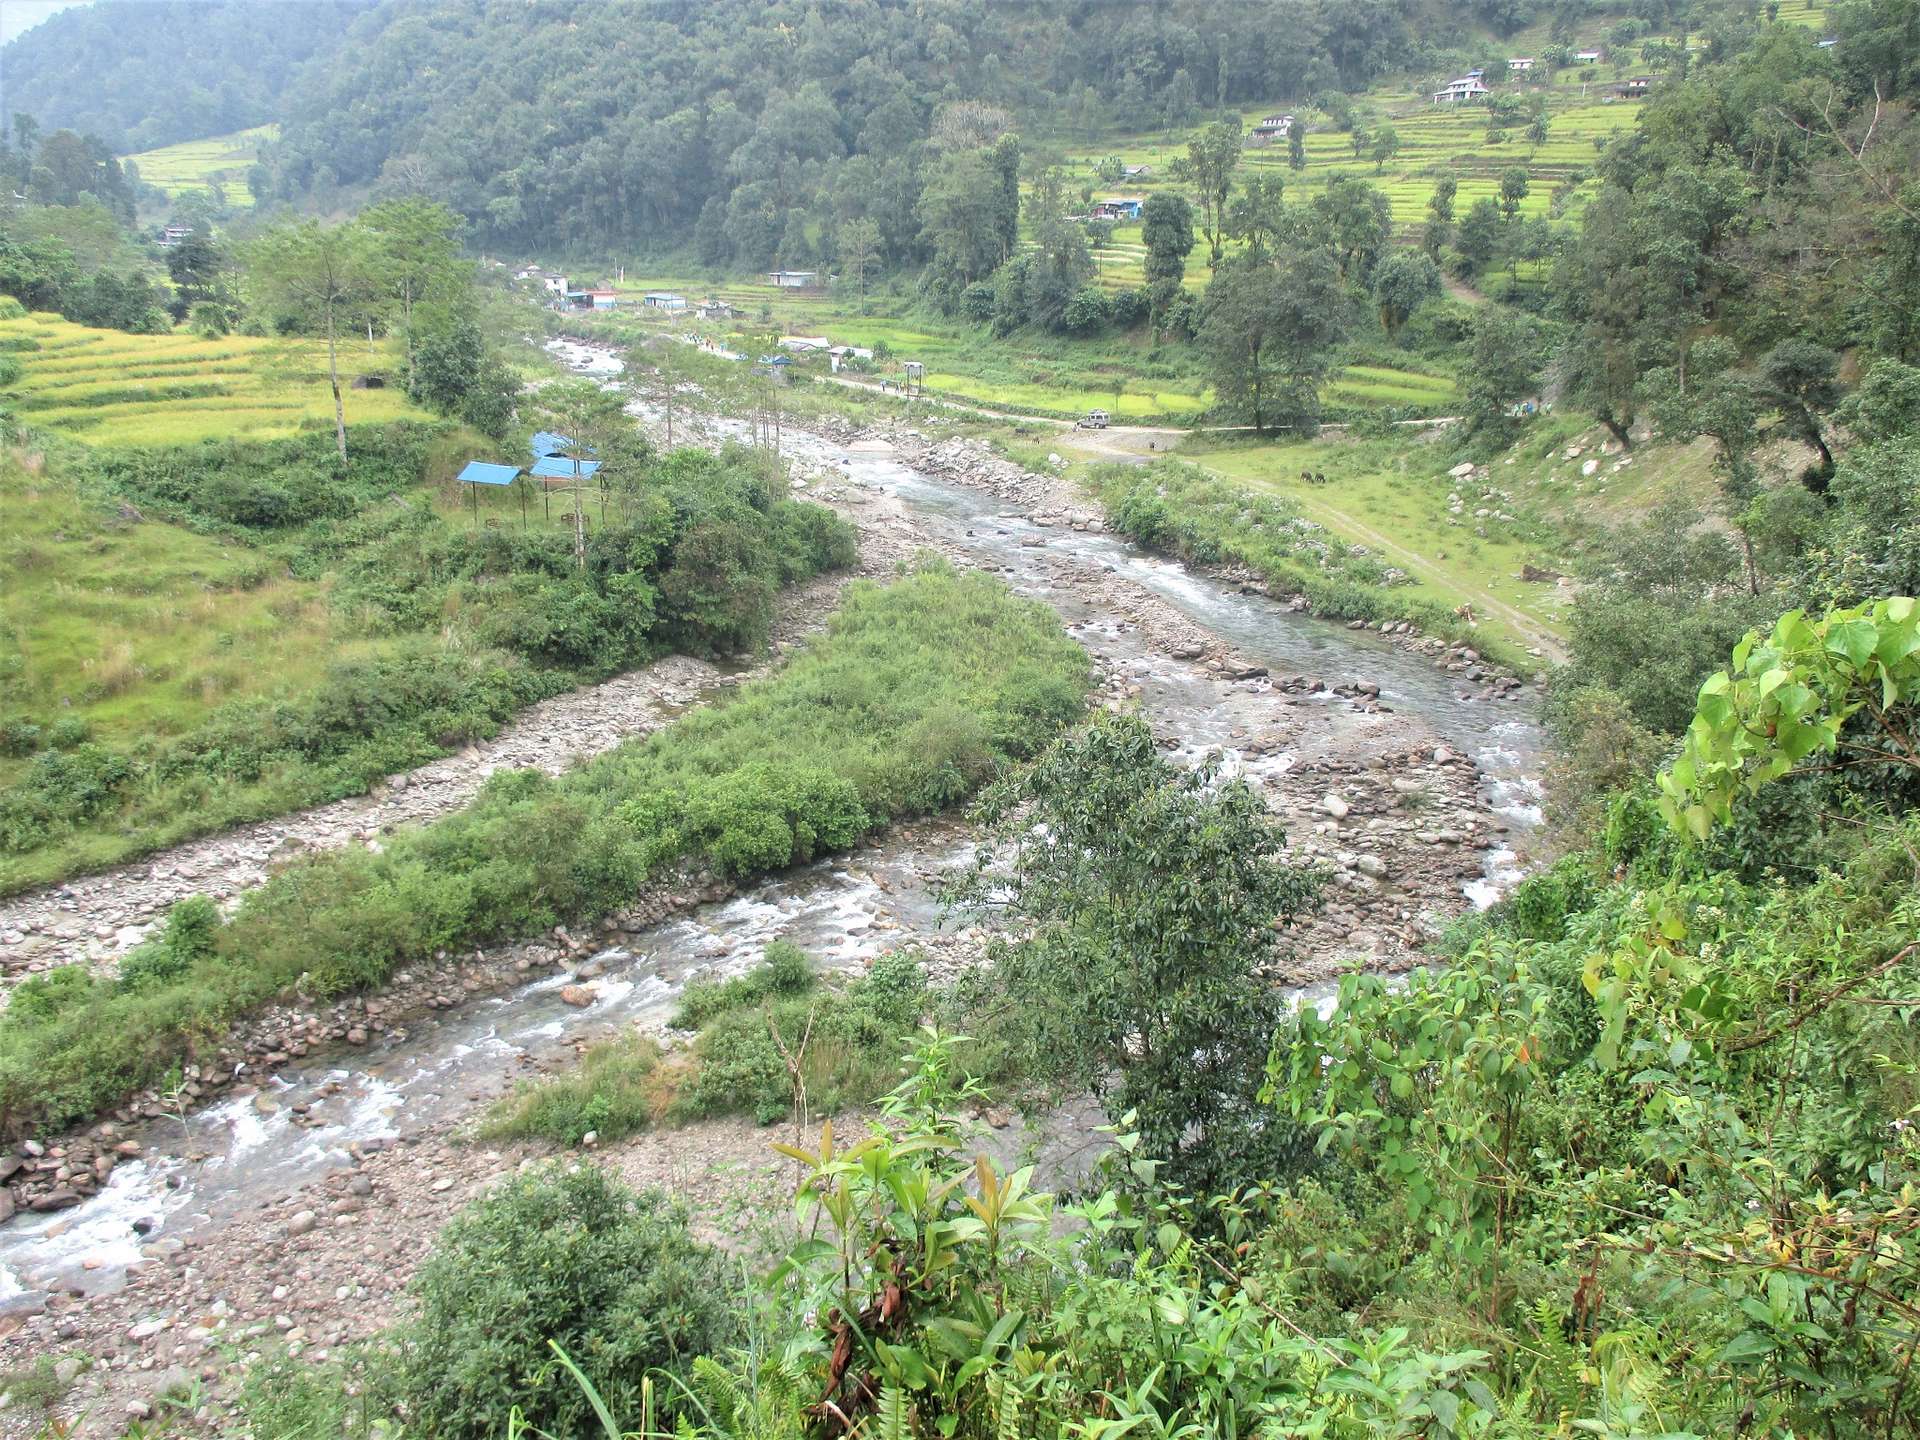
column 480, row 472
column 559, row 467
column 545, row 442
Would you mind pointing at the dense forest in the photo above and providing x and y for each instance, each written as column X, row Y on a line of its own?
column 591, row 124
column 137, row 75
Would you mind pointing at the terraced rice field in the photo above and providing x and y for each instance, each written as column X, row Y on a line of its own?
column 195, row 166
column 107, row 387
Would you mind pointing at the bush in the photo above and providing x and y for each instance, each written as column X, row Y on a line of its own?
column 19, row 737
column 565, row 1255
column 1088, row 312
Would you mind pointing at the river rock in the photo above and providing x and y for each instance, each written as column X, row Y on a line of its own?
column 578, row 996
column 1335, row 806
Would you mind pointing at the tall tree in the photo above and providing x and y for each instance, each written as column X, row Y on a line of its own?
column 1166, row 229
column 859, row 253
column 320, row 275
column 1296, row 146
column 1439, row 216
column 1269, row 332
column 1212, row 157
column 416, row 253
column 1513, row 189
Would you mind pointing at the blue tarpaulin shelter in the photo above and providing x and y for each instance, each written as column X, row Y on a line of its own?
column 484, row 472
column 545, row 442
column 481, row 472
column 559, row 467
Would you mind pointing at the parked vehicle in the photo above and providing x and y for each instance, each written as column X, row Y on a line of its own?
column 1092, row 420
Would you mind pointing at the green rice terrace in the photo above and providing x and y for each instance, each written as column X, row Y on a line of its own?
column 195, row 167
column 111, row 387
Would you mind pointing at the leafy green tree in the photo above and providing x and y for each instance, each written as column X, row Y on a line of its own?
column 1358, row 138
column 1439, row 228
column 960, row 216
column 1166, row 229
column 416, row 255
column 1258, row 215
column 197, row 267
column 1358, row 222
column 1513, row 189
column 1386, row 145
column 1150, row 897
column 1088, row 313
column 1296, row 146
column 1801, row 380
column 1269, row 332
column 1403, row 282
column 1509, row 352
column 319, row 276
column 457, row 373
column 1711, row 396
column 1208, row 166
column 1478, row 243
column 859, row 253
column 1885, row 405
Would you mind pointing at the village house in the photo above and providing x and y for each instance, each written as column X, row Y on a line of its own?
column 1635, row 88
column 1272, row 128
column 804, row 344
column 663, row 300
column 1135, row 172
column 1123, row 208
column 715, row 309
column 1466, row 89
column 553, row 284
column 174, row 235
column 793, row 279
column 1520, row 64
column 1587, row 57
column 604, row 299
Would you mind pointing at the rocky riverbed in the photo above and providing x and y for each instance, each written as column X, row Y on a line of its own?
column 1398, row 815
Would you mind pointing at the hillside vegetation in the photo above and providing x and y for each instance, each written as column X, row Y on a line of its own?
column 139, row 76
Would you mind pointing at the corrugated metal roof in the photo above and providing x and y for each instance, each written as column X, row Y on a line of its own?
column 559, row 467
column 481, row 472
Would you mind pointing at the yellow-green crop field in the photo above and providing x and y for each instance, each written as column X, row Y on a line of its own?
column 195, row 166
column 106, row 387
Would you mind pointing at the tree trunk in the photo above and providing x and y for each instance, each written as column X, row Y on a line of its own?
column 579, row 521
column 1617, row 430
column 333, row 375
column 406, row 313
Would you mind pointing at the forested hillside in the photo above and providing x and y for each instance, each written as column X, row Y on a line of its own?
column 591, row 124
column 139, row 75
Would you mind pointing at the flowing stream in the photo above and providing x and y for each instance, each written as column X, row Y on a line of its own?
column 208, row 1166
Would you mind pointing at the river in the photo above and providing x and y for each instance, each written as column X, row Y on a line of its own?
column 205, row 1167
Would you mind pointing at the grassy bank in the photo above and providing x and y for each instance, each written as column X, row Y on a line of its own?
column 1205, row 518
column 202, row 635
column 916, row 694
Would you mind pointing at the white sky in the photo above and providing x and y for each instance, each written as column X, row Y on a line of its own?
column 19, row 15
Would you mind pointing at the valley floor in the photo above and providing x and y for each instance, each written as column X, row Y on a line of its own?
column 322, row 1260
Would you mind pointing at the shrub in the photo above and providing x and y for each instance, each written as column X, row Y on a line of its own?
column 570, row 1256
column 67, row 732
column 19, row 737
